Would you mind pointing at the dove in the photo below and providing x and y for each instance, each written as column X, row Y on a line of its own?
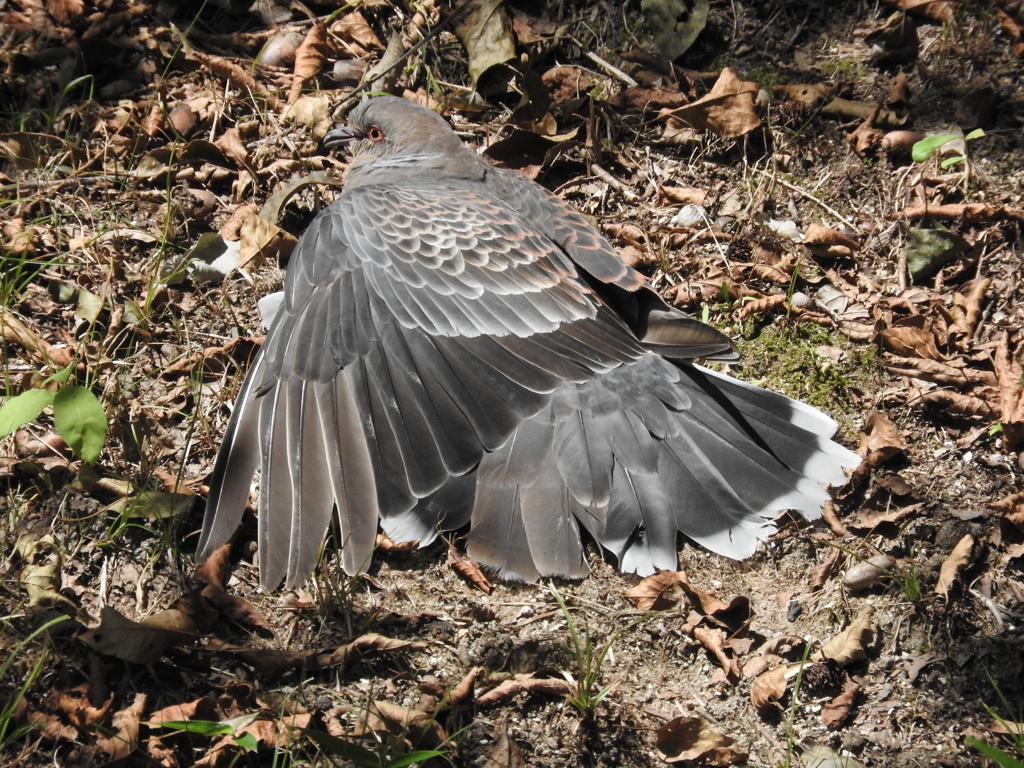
column 458, row 348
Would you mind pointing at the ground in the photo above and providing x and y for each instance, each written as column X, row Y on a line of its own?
column 773, row 183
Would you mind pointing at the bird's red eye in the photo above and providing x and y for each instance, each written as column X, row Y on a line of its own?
column 375, row 134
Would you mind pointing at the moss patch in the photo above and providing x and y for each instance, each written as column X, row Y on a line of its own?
column 798, row 359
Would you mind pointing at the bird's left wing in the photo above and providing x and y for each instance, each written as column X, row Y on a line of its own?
column 421, row 325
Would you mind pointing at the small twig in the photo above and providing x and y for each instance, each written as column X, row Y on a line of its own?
column 809, row 196
column 611, row 70
column 606, row 177
column 989, row 603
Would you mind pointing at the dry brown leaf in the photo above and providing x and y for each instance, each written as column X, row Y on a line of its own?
column 234, row 608
column 967, row 307
column 762, row 305
column 205, row 708
column 642, row 99
column 900, row 143
column 485, row 31
column 658, row 592
column 868, row 518
column 139, row 642
column 818, row 234
column 529, row 152
column 940, row 373
column 831, row 518
column 1011, row 392
column 975, row 213
column 1008, row 727
column 309, row 59
column 836, row 712
column 263, row 239
column 505, row 752
column 850, row 645
column 961, row 557
column 231, row 144
column 769, row 688
column 880, row 441
column 813, row 95
column 65, row 12
column 1011, row 503
column 41, row 575
column 16, row 332
column 270, row 663
column 954, row 402
column 239, row 77
column 565, row 83
column 356, row 34
column 125, row 736
column 400, row 719
column 463, row 690
column 864, row 140
column 216, row 567
column 936, row 10
column 771, row 273
column 28, row 151
column 683, row 195
column 469, row 570
column 729, row 110
column 385, row 544
column 524, row 684
column 822, row 572
column 694, row 739
column 873, row 116
column 910, row 341
column 314, row 112
column 713, row 640
column 368, row 643
column 77, row 706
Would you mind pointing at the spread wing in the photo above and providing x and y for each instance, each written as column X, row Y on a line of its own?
column 403, row 352
column 455, row 353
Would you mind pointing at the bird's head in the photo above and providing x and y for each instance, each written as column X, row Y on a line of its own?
column 389, row 131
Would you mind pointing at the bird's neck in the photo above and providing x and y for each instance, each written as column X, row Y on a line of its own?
column 415, row 166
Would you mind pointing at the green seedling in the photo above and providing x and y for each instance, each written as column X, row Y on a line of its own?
column 78, row 414
column 926, row 147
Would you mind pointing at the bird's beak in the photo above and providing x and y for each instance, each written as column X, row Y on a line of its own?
column 338, row 137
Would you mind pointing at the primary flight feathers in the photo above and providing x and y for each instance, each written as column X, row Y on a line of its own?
column 456, row 346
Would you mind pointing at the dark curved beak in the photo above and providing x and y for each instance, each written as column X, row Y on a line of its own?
column 338, row 137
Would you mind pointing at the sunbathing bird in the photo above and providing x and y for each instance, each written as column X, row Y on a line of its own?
column 456, row 346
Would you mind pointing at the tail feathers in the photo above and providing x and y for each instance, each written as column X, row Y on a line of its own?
column 447, row 510
column 523, row 524
column 635, row 472
column 641, row 532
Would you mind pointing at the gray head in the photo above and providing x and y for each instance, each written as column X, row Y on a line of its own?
column 391, row 127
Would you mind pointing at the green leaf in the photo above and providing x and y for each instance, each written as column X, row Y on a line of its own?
column 247, row 742
column 23, row 408
column 61, row 376
column 342, row 748
column 81, row 421
column 1001, row 758
column 420, row 756
column 951, row 161
column 977, row 133
column 154, row 505
column 924, row 149
column 204, row 727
